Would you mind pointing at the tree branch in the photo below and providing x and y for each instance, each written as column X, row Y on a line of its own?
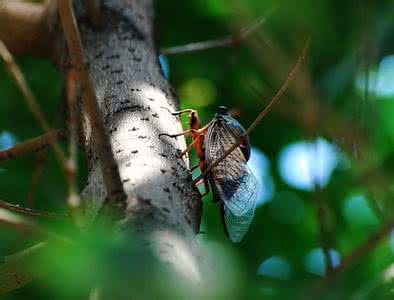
column 116, row 195
column 16, row 73
column 25, row 27
column 228, row 41
column 32, row 145
column 18, row 269
column 30, row 212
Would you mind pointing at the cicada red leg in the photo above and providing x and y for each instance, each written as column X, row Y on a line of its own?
column 179, row 112
column 188, row 131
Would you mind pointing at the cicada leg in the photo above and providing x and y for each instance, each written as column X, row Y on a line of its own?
column 193, row 168
column 179, row 112
column 206, row 186
column 188, row 131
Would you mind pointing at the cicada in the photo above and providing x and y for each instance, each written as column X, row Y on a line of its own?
column 233, row 185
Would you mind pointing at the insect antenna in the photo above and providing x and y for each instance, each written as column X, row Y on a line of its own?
column 263, row 113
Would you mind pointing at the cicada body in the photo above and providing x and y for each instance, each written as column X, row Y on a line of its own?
column 232, row 182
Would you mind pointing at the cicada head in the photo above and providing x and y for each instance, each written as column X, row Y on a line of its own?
column 221, row 111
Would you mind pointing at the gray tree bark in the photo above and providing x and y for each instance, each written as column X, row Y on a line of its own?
column 135, row 99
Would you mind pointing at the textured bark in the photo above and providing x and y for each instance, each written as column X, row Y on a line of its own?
column 135, row 99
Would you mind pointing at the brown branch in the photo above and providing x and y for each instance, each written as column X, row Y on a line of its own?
column 265, row 111
column 18, row 269
column 25, row 27
column 32, row 145
column 116, row 195
column 73, row 91
column 30, row 212
column 40, row 161
column 93, row 12
column 16, row 73
column 228, row 41
column 355, row 255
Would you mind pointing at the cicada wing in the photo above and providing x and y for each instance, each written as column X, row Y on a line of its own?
column 232, row 180
column 237, row 226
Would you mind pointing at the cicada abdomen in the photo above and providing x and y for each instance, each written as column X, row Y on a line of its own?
column 232, row 182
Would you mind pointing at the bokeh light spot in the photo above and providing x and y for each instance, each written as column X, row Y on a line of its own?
column 275, row 267
column 315, row 261
column 198, row 91
column 304, row 164
column 259, row 165
column 7, row 140
column 358, row 213
column 380, row 81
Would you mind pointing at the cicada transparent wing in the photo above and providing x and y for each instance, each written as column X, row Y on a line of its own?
column 232, row 181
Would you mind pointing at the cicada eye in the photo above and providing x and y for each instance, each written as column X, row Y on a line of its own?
column 222, row 110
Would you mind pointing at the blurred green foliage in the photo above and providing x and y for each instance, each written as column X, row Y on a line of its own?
column 347, row 85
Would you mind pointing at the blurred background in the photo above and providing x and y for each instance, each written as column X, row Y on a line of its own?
column 324, row 156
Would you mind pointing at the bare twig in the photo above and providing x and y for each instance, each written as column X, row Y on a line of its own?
column 18, row 269
column 228, row 41
column 116, row 195
column 356, row 254
column 32, row 145
column 365, row 247
column 30, row 99
column 321, row 215
column 73, row 91
column 281, row 91
column 25, row 27
column 30, row 212
column 40, row 161
column 93, row 12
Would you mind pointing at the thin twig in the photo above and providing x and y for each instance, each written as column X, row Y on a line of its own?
column 355, row 255
column 40, row 161
column 18, row 269
column 228, row 41
column 116, row 195
column 281, row 91
column 30, row 212
column 32, row 145
column 16, row 73
column 73, row 91
column 93, row 12
column 323, row 231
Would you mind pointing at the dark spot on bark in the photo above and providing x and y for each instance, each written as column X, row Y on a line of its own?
column 155, row 115
column 126, row 180
column 151, row 99
column 119, row 82
column 133, row 129
column 187, row 218
column 132, row 50
column 116, row 71
column 98, row 55
column 142, row 137
column 137, row 59
column 115, row 56
column 166, row 209
column 163, row 155
column 144, row 119
column 106, row 67
column 119, row 151
column 163, row 171
column 134, row 151
column 166, row 190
